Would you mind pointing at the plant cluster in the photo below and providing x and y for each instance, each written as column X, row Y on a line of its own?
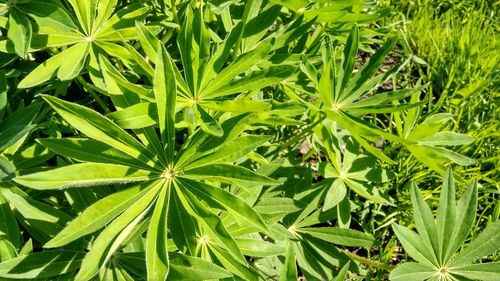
column 225, row 140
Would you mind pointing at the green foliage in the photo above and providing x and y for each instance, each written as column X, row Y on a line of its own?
column 229, row 140
column 438, row 239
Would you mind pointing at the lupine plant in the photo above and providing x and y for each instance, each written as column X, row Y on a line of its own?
column 221, row 140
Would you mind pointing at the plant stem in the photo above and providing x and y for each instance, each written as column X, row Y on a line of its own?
column 369, row 262
column 98, row 99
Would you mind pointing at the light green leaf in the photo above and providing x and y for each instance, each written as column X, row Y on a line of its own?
column 465, row 214
column 98, row 214
column 98, row 127
column 446, row 215
column 213, row 224
column 412, row 271
column 84, row 174
column 258, row 247
column 74, row 62
column 49, row 16
column 348, row 60
column 8, row 225
column 114, row 234
column 237, row 206
column 230, row 151
column 44, row 71
column 157, row 260
column 185, row 267
column 41, row 220
column 486, row 243
column 242, row 64
column 255, row 80
column 164, row 88
column 485, row 271
column 207, row 122
column 446, row 138
column 41, row 265
column 289, row 269
column 137, row 116
column 88, row 150
column 228, row 173
column 424, row 220
column 237, row 106
column 340, row 236
column 335, row 194
column 85, row 12
column 105, row 9
column 19, row 32
column 415, row 246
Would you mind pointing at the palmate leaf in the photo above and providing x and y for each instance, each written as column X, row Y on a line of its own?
column 129, row 211
column 98, row 30
column 435, row 246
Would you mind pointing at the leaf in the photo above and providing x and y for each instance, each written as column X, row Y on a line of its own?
column 335, row 194
column 363, row 77
column 237, row 106
column 208, row 123
column 157, row 260
column 88, row 150
column 19, row 32
column 213, row 224
column 193, row 41
column 236, row 205
column 74, row 62
column 85, row 12
column 137, row 116
column 258, row 247
column 148, row 41
column 465, row 214
column 340, row 236
column 228, row 173
column 254, row 81
column 289, row 269
column 243, row 63
column 105, row 9
column 44, row 71
column 424, row 220
column 446, row 215
column 49, row 17
column 84, row 174
column 412, row 271
column 343, row 272
column 185, row 267
column 485, row 271
column 100, row 128
column 41, row 220
column 486, row 243
column 446, row 138
column 164, row 89
column 415, row 246
column 182, row 227
column 41, row 265
column 98, row 214
column 235, row 266
column 8, row 225
column 381, row 98
column 348, row 59
column 230, row 151
column 114, row 234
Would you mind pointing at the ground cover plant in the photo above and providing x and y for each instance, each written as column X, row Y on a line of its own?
column 249, row 140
